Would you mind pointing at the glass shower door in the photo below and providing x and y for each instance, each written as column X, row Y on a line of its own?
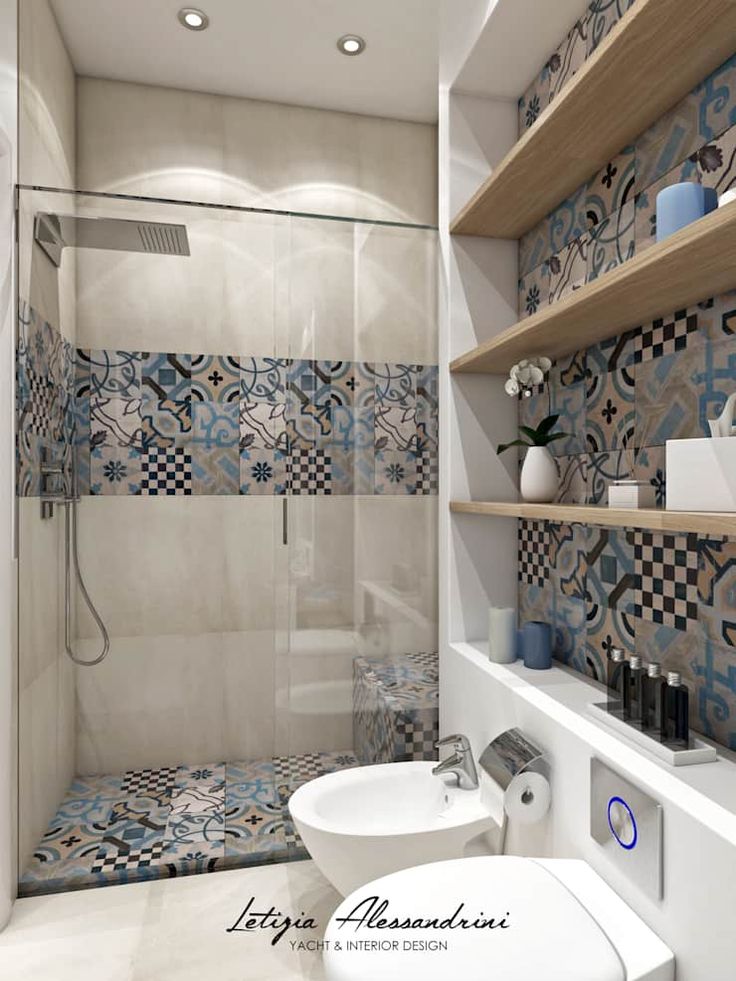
column 135, row 365
column 361, row 421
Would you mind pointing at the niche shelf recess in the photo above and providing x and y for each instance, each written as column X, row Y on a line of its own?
column 653, row 519
column 660, row 48
column 686, row 267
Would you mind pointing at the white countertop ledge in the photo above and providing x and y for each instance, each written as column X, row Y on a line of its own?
column 707, row 791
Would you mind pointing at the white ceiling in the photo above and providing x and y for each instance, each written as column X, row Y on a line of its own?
column 279, row 50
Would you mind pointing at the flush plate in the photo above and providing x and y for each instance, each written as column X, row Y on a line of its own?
column 627, row 824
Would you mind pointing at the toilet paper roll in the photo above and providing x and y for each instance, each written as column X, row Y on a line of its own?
column 527, row 798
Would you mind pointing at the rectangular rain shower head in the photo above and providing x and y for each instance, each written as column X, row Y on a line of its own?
column 54, row 233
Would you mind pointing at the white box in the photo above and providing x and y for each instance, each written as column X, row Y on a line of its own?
column 701, row 474
column 632, row 494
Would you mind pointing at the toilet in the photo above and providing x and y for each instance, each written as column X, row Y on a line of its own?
column 555, row 920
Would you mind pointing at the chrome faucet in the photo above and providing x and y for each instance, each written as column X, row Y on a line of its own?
column 461, row 762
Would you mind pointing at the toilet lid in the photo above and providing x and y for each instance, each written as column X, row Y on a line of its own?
column 549, row 936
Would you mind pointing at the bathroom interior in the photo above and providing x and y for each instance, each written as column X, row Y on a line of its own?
column 290, row 607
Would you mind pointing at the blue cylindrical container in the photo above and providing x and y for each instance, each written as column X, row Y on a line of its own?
column 536, row 645
column 680, row 204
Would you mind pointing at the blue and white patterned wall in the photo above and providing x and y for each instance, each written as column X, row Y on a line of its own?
column 153, row 423
column 671, row 598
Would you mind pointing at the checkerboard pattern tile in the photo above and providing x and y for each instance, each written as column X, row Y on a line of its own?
column 166, row 471
column 310, row 471
column 427, row 473
column 666, row 571
column 664, row 337
column 39, row 406
column 417, row 738
column 137, row 783
column 427, row 660
column 534, row 544
column 396, row 708
column 136, row 858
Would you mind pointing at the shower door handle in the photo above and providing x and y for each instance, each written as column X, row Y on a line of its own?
column 285, row 520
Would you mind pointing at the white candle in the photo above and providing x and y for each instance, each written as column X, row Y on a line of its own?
column 502, row 634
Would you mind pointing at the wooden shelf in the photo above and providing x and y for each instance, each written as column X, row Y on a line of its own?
column 653, row 57
column 654, row 519
column 689, row 266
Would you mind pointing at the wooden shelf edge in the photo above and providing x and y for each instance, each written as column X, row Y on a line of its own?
column 652, row 519
column 661, row 279
column 604, row 102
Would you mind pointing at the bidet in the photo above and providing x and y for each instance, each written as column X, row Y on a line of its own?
column 369, row 821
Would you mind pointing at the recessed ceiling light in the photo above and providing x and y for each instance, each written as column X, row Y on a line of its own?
column 194, row 19
column 351, row 44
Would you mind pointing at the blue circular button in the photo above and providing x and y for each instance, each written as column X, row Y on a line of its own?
column 622, row 823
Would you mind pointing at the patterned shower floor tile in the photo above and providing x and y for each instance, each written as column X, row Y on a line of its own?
column 176, row 820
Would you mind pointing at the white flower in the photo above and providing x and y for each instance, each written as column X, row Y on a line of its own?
column 526, row 374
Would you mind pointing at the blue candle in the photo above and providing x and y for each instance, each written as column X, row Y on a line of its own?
column 681, row 204
column 536, row 645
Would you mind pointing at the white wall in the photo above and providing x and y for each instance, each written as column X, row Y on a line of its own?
column 479, row 280
column 695, row 916
column 8, row 567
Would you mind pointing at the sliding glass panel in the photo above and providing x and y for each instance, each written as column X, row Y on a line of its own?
column 132, row 365
column 362, row 423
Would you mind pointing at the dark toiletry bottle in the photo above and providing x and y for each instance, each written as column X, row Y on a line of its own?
column 651, row 698
column 618, row 677
column 633, row 690
column 675, row 726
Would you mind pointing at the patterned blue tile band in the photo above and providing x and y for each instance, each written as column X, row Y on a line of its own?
column 178, row 424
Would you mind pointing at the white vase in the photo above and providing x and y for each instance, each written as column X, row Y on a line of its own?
column 539, row 477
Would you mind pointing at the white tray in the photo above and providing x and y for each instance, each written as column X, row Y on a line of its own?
column 696, row 752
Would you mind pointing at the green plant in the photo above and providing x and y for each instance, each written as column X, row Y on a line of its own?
column 541, row 436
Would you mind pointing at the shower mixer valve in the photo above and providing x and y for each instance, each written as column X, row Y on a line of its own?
column 52, row 473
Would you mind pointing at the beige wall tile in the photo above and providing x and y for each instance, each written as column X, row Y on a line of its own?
column 396, row 295
column 145, row 140
column 40, row 597
column 259, row 285
column 320, row 706
column 220, row 300
column 321, row 549
column 249, row 693
column 158, row 142
column 164, row 700
column 47, row 100
column 38, row 777
column 155, row 701
column 396, row 574
column 51, row 291
column 183, row 565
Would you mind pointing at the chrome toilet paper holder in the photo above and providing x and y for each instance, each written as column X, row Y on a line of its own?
column 510, row 755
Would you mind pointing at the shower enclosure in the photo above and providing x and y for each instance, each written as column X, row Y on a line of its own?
column 245, row 404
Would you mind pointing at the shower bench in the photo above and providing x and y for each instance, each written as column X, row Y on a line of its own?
column 395, row 707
